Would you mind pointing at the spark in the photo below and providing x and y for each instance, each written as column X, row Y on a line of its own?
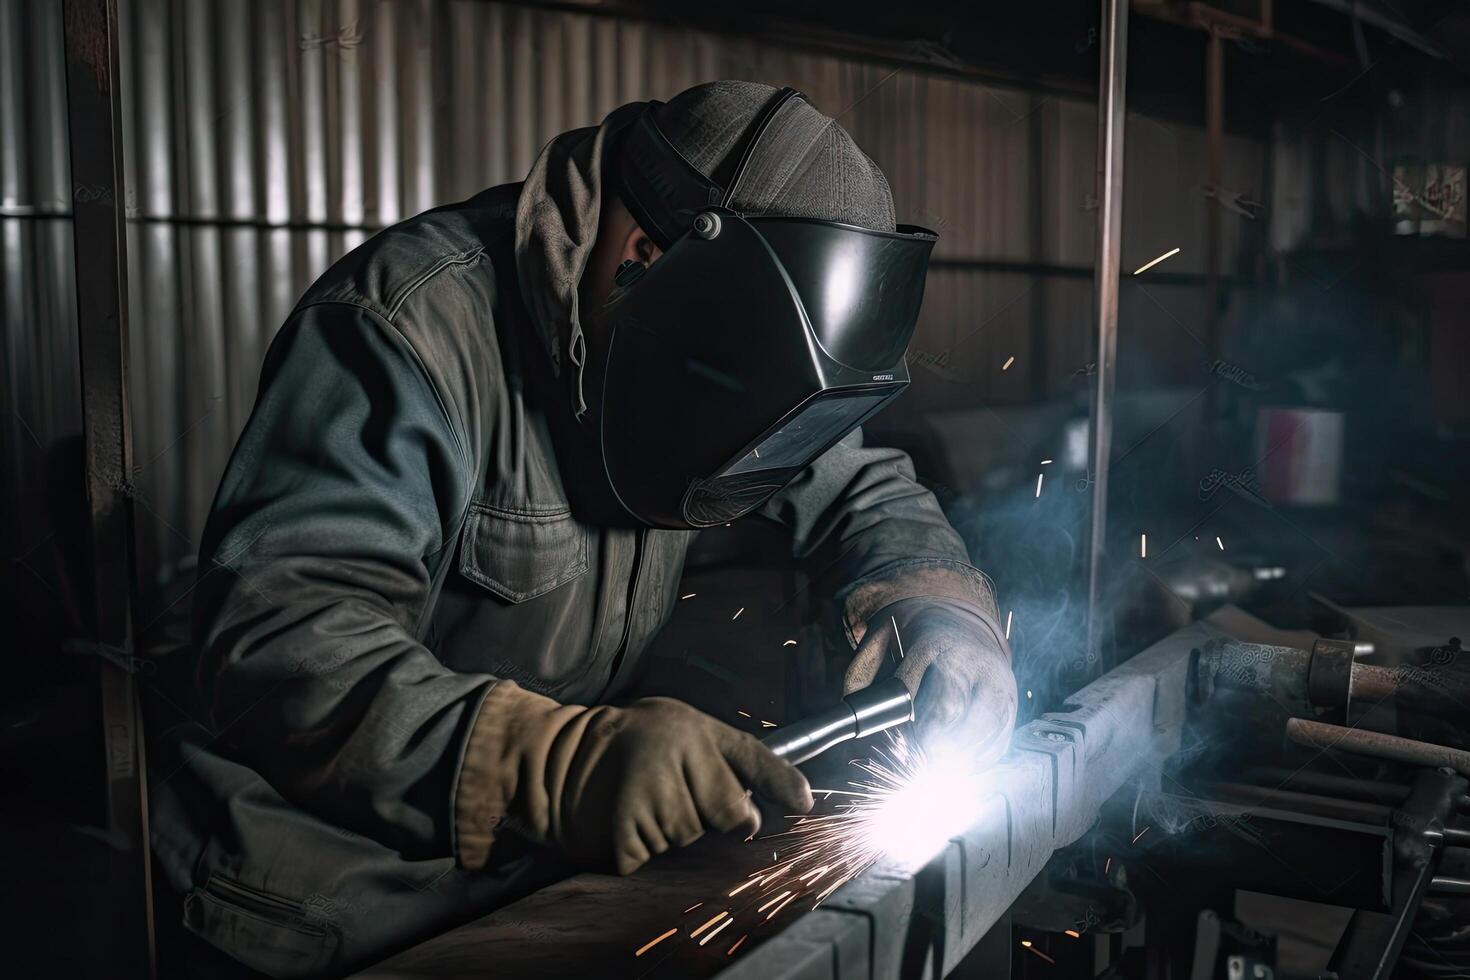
column 767, row 724
column 737, row 614
column 1143, row 546
column 1028, row 695
column 1149, row 265
column 737, row 944
column 1106, row 865
column 1072, row 932
column 691, row 908
column 712, row 935
column 1027, row 943
column 689, row 596
column 1142, row 832
column 1009, row 614
column 741, row 888
column 696, row 932
column 744, row 713
column 894, row 621
column 654, row 942
column 1039, row 478
column 1046, row 462
column 778, row 908
column 773, row 901
column 1009, row 361
column 789, row 643
column 1219, row 542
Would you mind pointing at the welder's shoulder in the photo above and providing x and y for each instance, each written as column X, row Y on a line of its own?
column 431, row 279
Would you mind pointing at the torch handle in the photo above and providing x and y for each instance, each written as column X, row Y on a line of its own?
column 873, row 709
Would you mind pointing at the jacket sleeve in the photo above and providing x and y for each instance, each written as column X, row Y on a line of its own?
column 859, row 513
column 343, row 495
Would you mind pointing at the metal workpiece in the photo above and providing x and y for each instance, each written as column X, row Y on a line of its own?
column 873, row 709
column 1046, row 793
column 1393, row 748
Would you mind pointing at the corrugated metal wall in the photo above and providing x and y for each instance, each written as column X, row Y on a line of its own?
column 266, row 138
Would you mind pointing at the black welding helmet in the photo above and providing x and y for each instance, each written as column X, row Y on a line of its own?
column 750, row 347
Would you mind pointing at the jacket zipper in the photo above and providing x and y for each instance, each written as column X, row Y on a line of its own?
column 265, row 906
column 622, row 650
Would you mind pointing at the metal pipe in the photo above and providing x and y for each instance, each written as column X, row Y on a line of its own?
column 866, row 712
column 1391, row 747
column 94, row 117
column 1112, row 74
column 1445, row 885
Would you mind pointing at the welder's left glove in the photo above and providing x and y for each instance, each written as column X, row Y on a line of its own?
column 954, row 659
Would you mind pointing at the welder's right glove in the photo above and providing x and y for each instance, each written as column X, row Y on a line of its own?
column 610, row 787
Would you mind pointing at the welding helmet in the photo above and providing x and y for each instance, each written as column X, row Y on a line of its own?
column 750, row 347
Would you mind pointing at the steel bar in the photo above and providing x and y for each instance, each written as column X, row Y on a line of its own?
column 1320, row 735
column 1111, row 106
column 95, row 122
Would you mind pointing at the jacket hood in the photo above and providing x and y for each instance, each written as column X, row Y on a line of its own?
column 556, row 227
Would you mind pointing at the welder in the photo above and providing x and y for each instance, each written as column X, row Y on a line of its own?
column 482, row 443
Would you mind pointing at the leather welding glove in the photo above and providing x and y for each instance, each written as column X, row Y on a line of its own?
column 611, row 787
column 954, row 659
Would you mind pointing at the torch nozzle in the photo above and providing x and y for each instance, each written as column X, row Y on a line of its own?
column 873, row 709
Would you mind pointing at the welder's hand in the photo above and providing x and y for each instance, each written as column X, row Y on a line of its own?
column 612, row 787
column 955, row 662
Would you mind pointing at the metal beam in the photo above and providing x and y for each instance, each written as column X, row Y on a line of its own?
column 1112, row 74
column 94, row 115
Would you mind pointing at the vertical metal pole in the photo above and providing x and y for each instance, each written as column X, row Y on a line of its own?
column 1112, row 72
column 1214, row 151
column 94, row 113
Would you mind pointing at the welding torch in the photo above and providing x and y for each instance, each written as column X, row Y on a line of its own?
column 873, row 709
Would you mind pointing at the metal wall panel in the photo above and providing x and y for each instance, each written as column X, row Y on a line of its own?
column 266, row 138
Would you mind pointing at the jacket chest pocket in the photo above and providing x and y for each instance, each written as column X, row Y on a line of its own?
column 522, row 552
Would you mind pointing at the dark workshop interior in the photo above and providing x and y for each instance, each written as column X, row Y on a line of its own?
column 1190, row 382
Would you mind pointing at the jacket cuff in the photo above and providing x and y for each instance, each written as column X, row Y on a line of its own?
column 939, row 578
column 489, row 771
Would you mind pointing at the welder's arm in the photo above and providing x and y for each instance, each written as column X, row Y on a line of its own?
column 341, row 499
column 859, row 515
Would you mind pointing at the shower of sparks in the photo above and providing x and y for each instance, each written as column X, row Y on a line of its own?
column 716, row 931
column 654, row 942
column 1143, row 546
column 692, row 908
column 717, row 918
column 1009, row 361
column 1219, row 542
column 689, row 596
column 737, row 944
column 1039, row 478
column 1142, row 832
column 737, row 614
column 789, row 643
column 1009, row 614
column 1149, row 265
